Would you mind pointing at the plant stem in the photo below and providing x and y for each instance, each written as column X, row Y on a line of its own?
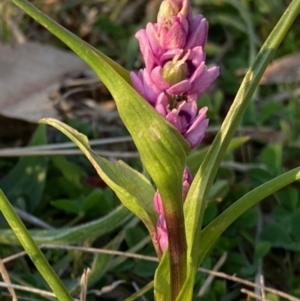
column 177, row 251
column 32, row 250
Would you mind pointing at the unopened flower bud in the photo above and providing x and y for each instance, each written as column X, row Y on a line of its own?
column 167, row 10
column 174, row 72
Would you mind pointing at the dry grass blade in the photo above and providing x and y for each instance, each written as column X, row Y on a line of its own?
column 25, row 216
column 106, row 289
column 142, row 291
column 14, row 257
column 100, row 251
column 30, row 290
column 84, row 284
column 137, row 289
column 251, row 284
column 210, row 278
column 154, row 259
column 253, row 295
column 64, row 149
column 6, row 279
column 107, row 154
column 148, row 258
column 262, row 283
column 22, row 297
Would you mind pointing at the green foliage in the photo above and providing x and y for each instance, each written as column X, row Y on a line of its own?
column 248, row 163
column 24, row 184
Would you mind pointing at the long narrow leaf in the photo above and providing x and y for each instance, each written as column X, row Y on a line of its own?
column 195, row 201
column 132, row 188
column 33, row 251
column 91, row 230
column 212, row 231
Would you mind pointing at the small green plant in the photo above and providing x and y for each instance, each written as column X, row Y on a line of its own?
column 164, row 122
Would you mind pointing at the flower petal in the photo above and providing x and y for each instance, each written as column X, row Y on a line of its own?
column 172, row 117
column 158, row 203
column 196, row 131
column 156, row 77
column 162, row 233
column 175, row 36
column 204, row 80
column 198, row 32
column 179, row 88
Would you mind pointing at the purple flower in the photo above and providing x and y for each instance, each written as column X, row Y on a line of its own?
column 185, row 116
column 176, row 29
column 175, row 72
column 182, row 71
column 175, row 75
column 144, row 85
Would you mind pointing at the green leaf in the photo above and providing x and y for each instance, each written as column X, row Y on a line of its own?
column 194, row 205
column 210, row 213
column 211, row 233
column 132, row 188
column 88, row 231
column 196, row 157
column 68, row 206
column 162, row 279
column 26, row 180
column 33, row 251
column 295, row 224
column 134, row 235
column 262, row 249
column 218, row 190
column 96, row 203
column 70, row 171
column 272, row 157
column 278, row 237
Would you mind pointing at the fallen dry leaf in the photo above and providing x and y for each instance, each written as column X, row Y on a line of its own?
column 285, row 70
column 28, row 74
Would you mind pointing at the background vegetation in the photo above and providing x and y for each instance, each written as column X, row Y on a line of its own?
column 58, row 191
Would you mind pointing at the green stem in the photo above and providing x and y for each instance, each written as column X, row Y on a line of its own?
column 32, row 250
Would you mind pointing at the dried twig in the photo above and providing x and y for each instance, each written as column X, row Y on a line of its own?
column 249, row 283
column 84, row 284
column 14, row 257
column 154, row 259
column 253, row 295
column 6, row 279
column 30, row 290
column 210, row 278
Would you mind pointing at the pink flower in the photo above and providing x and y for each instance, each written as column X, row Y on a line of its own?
column 193, row 77
column 162, row 233
column 185, row 116
column 175, row 73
